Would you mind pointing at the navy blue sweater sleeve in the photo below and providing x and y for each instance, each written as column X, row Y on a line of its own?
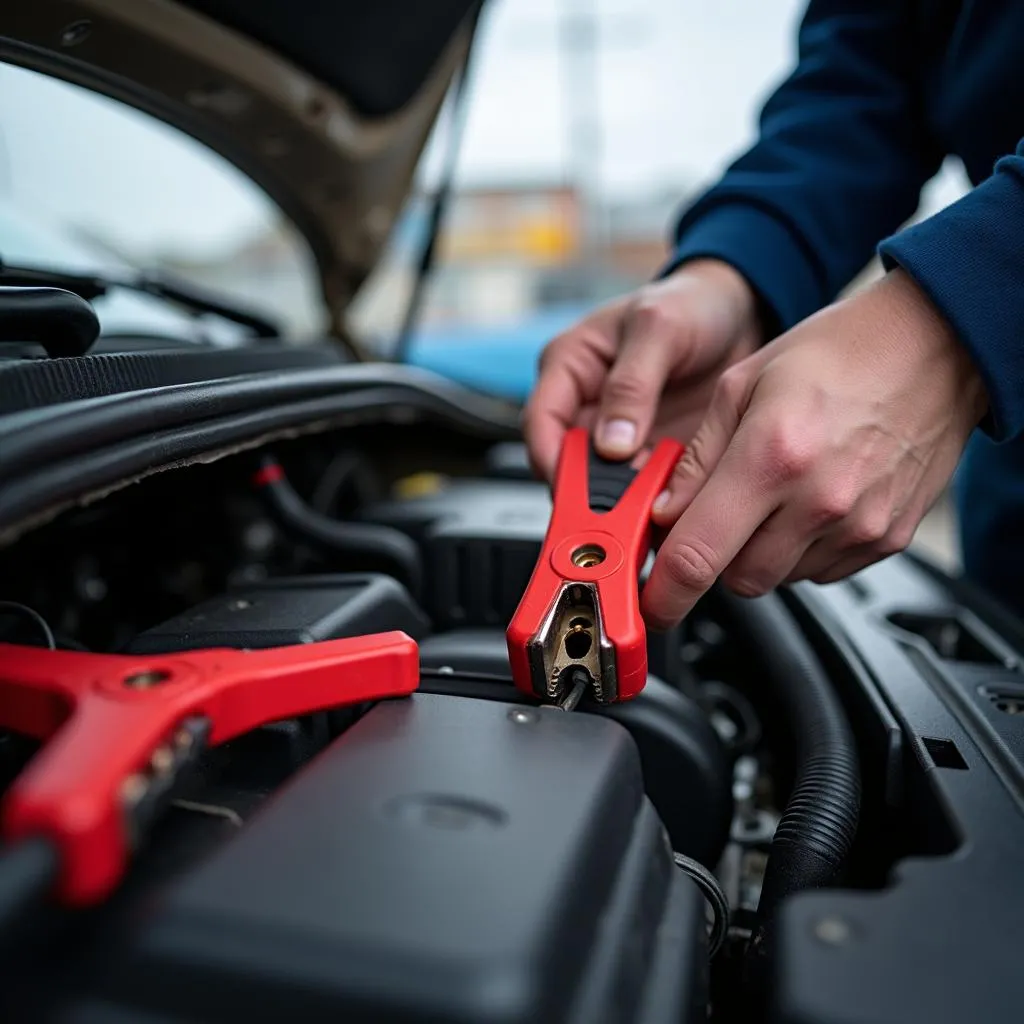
column 969, row 259
column 842, row 154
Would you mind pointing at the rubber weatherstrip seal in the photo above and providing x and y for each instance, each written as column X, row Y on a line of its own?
column 40, row 488
column 37, row 436
column 38, row 383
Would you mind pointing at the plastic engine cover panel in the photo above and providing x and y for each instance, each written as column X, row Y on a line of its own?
column 289, row 610
column 480, row 542
column 447, row 859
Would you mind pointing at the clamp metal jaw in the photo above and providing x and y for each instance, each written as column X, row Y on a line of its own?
column 578, row 626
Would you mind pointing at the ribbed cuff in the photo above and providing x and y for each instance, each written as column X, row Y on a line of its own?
column 969, row 261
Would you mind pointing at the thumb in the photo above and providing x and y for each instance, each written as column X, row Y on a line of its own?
column 633, row 387
column 703, row 453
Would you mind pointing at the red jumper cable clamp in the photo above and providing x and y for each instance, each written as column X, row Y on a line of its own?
column 119, row 729
column 578, row 626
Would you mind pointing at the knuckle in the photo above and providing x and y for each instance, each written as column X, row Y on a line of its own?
column 550, row 352
column 788, row 452
column 828, row 506
column 694, row 460
column 690, row 566
column 625, row 386
column 895, row 540
column 869, row 529
column 731, row 386
column 648, row 315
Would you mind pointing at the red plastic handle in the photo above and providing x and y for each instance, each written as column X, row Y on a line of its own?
column 623, row 534
column 114, row 721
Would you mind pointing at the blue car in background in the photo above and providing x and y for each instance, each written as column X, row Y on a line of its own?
column 499, row 360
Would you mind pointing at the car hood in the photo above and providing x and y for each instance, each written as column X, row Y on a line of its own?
column 326, row 106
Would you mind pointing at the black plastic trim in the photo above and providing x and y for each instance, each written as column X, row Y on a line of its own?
column 955, row 897
column 39, row 383
column 50, row 458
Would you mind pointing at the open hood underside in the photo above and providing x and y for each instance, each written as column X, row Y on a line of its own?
column 326, row 106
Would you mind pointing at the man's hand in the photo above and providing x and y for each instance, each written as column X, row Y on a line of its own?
column 820, row 453
column 643, row 366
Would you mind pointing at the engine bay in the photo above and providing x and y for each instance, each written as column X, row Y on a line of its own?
column 463, row 854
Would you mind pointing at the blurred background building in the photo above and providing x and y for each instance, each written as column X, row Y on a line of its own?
column 507, row 251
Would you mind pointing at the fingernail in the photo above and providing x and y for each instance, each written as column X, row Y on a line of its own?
column 619, row 435
column 661, row 501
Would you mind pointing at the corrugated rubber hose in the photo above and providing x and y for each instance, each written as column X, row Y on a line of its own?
column 818, row 826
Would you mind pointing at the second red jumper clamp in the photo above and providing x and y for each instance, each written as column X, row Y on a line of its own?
column 119, row 729
column 578, row 627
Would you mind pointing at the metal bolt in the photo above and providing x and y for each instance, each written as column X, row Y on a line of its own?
column 832, row 931
column 75, row 33
column 588, row 556
column 522, row 716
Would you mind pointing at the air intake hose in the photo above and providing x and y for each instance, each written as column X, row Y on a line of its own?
column 818, row 826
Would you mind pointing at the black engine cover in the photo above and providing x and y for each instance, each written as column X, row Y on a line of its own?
column 425, row 868
column 687, row 773
column 480, row 542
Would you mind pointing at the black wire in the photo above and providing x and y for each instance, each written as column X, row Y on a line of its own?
column 367, row 542
column 31, row 613
column 441, row 198
column 714, row 894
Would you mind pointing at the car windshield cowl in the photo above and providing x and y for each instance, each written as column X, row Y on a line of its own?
column 91, row 286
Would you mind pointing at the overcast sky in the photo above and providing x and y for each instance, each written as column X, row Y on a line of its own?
column 680, row 83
